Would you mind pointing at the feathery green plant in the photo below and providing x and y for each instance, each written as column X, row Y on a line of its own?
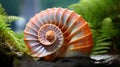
column 10, row 37
column 100, row 15
column 104, row 39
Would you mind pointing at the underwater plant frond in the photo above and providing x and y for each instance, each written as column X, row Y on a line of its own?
column 94, row 11
column 104, row 29
column 102, row 44
column 2, row 10
column 7, row 18
column 9, row 36
column 108, row 27
column 104, row 40
column 13, row 18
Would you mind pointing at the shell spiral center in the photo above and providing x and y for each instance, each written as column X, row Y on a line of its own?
column 48, row 34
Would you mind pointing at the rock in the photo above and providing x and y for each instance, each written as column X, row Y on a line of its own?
column 63, row 62
column 27, row 61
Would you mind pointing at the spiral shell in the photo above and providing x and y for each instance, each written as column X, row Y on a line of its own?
column 52, row 32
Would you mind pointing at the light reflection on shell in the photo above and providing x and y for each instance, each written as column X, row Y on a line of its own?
column 50, row 33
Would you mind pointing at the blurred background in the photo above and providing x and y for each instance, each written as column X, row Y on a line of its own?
column 28, row 8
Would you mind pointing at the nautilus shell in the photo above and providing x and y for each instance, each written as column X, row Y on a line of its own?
column 53, row 32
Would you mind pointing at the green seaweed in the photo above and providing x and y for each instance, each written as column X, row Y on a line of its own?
column 11, row 38
column 101, row 16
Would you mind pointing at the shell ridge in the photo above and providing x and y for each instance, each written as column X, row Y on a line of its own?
column 40, row 52
column 62, row 17
column 33, row 45
column 56, row 14
column 61, row 14
column 72, row 25
column 40, row 21
column 87, row 43
column 80, row 38
column 65, row 22
column 78, row 48
column 31, row 27
column 29, row 33
column 50, row 16
column 34, row 22
column 77, row 31
column 43, row 17
column 36, row 50
column 30, row 39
